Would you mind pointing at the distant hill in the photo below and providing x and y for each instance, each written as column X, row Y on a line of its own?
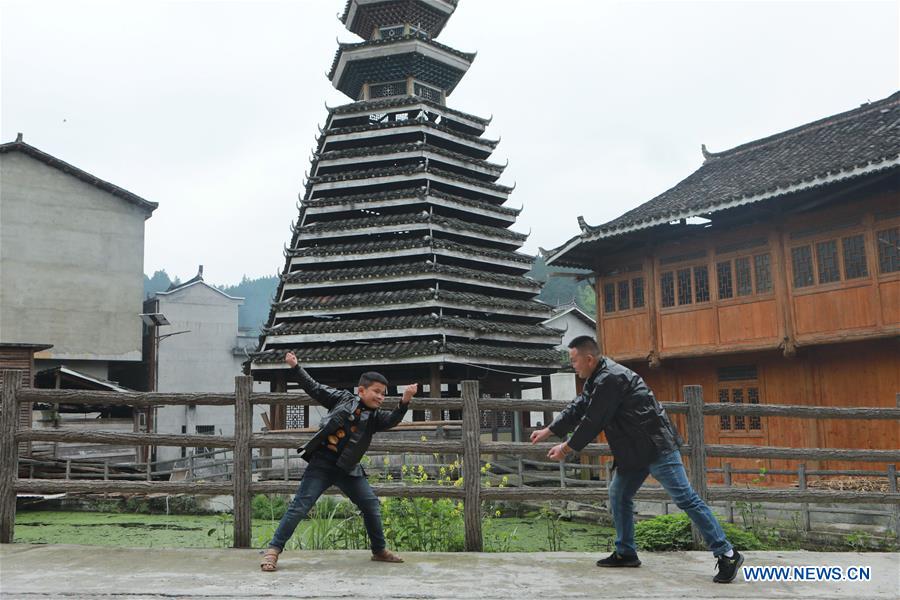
column 258, row 293
column 560, row 285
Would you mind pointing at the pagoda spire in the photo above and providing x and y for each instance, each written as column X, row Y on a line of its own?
column 403, row 258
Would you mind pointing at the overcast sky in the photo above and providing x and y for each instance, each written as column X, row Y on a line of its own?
column 210, row 108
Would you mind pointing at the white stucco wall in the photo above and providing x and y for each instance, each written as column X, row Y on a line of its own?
column 71, row 264
column 201, row 360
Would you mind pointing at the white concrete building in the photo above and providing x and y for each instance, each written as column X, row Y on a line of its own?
column 71, row 263
column 200, row 351
column 573, row 322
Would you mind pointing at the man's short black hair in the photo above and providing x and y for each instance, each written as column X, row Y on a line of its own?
column 370, row 377
column 585, row 344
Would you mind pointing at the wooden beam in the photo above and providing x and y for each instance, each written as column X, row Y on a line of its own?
column 653, row 312
column 777, row 241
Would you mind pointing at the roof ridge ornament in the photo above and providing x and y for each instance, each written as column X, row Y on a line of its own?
column 707, row 155
column 583, row 224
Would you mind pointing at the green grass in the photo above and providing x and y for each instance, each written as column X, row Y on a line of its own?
column 192, row 531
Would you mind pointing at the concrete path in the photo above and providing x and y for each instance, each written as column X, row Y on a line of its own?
column 62, row 572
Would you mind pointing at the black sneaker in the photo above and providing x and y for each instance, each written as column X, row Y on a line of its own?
column 727, row 567
column 618, row 560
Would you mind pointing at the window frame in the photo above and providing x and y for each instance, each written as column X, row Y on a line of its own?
column 751, row 255
column 875, row 264
column 615, row 281
column 838, row 236
column 676, row 267
column 745, row 385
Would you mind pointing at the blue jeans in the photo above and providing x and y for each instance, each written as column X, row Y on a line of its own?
column 669, row 471
column 317, row 478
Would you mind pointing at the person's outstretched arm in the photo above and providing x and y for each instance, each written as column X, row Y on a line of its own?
column 324, row 395
column 565, row 421
column 386, row 420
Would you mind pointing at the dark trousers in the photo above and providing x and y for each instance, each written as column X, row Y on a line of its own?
column 320, row 476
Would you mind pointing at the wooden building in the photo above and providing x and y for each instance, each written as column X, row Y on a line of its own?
column 770, row 275
column 20, row 357
column 403, row 259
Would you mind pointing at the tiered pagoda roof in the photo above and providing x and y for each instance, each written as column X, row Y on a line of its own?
column 403, row 259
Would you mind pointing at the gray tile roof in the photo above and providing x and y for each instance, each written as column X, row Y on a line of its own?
column 467, row 56
column 426, row 242
column 19, row 146
column 408, row 170
column 863, row 140
column 401, row 101
column 424, row 217
column 432, row 321
column 411, row 193
column 477, row 353
column 372, row 151
column 395, row 124
column 374, row 273
column 424, row 297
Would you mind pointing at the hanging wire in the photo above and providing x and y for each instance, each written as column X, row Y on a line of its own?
column 456, row 362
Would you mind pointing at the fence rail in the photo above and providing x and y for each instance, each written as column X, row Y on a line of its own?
column 471, row 447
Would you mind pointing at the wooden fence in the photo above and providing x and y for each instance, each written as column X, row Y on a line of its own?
column 471, row 447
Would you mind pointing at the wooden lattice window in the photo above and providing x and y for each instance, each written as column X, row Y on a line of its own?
column 888, row 242
column 701, row 283
column 391, row 33
column 801, row 262
column 609, row 297
column 830, row 261
column 739, row 385
column 624, row 294
column 385, row 90
column 428, row 93
column 686, row 285
column 763, row 267
column 854, row 252
column 725, row 281
column 637, row 292
column 827, row 262
column 744, row 276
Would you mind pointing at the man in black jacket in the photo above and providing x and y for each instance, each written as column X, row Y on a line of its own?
column 334, row 453
column 643, row 442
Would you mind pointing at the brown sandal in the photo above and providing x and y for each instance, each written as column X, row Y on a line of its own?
column 269, row 560
column 386, row 556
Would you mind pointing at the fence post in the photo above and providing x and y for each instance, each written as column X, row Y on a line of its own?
column 9, row 453
column 471, row 434
column 805, row 524
column 892, row 488
column 693, row 395
column 243, row 424
column 562, row 473
column 729, row 504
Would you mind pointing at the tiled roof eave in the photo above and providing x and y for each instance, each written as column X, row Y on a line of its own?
column 592, row 234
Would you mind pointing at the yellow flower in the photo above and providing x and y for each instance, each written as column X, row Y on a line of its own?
column 497, row 514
